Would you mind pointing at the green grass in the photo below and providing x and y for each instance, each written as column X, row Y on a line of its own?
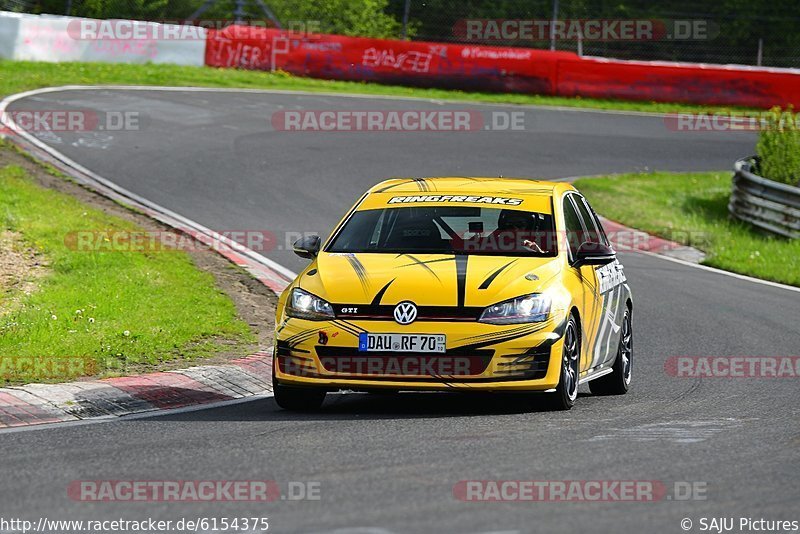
column 116, row 308
column 692, row 208
column 18, row 76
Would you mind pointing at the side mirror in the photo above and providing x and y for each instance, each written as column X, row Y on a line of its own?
column 307, row 247
column 593, row 254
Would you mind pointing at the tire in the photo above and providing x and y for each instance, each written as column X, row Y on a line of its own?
column 618, row 381
column 567, row 389
column 296, row 399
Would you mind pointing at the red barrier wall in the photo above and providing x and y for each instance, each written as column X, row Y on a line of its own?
column 519, row 70
column 678, row 82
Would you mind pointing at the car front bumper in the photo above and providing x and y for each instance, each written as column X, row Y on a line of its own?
column 478, row 357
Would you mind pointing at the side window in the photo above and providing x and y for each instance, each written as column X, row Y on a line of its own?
column 592, row 234
column 598, row 224
column 573, row 227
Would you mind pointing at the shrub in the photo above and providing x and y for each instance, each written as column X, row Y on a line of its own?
column 778, row 147
column 362, row 18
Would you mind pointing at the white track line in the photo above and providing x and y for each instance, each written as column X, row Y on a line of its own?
column 191, row 89
column 720, row 271
column 135, row 416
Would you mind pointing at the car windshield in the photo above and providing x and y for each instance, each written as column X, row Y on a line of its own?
column 447, row 230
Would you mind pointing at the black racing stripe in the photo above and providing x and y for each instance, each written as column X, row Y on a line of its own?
column 503, row 339
column 384, row 189
column 300, row 335
column 422, row 184
column 495, row 341
column 496, row 334
column 349, row 327
column 379, row 295
column 418, row 262
column 358, row 267
column 522, row 327
column 422, row 264
column 294, row 342
column 461, row 278
column 353, row 326
column 486, row 283
column 343, row 326
column 298, row 340
column 499, row 337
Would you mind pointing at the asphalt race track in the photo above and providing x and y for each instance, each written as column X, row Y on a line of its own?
column 387, row 463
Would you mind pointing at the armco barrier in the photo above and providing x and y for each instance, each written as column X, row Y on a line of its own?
column 769, row 205
column 499, row 69
column 51, row 38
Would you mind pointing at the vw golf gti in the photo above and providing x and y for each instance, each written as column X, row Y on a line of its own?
column 457, row 284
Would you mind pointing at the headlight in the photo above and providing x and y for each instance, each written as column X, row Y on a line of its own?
column 304, row 305
column 525, row 309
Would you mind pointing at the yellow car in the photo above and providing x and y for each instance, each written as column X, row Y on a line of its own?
column 457, row 284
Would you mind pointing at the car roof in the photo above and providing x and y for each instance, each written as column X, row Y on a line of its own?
column 471, row 184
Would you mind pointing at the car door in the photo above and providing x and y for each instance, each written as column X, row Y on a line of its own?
column 587, row 297
column 611, row 292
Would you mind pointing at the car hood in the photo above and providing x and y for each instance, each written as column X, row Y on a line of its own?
column 426, row 279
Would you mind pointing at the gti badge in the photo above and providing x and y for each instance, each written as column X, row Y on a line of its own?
column 405, row 313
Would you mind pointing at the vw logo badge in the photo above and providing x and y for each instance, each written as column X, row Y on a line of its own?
column 405, row 313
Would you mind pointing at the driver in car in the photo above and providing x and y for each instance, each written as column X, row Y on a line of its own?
column 515, row 232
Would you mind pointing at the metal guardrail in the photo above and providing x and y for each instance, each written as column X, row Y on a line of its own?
column 771, row 206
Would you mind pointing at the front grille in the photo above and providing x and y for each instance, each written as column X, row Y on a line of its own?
column 424, row 313
column 344, row 362
column 454, row 365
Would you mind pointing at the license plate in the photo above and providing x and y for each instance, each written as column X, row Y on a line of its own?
column 401, row 342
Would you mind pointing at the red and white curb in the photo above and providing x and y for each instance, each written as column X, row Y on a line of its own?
column 627, row 239
column 36, row 404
